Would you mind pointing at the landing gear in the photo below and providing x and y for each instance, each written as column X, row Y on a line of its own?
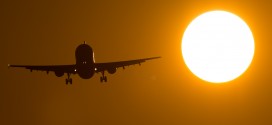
column 103, row 77
column 68, row 80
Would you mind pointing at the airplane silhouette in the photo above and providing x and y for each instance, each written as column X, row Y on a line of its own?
column 85, row 65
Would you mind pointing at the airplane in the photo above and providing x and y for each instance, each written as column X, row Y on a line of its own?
column 85, row 65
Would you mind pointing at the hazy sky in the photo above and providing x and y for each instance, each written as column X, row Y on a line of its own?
column 161, row 92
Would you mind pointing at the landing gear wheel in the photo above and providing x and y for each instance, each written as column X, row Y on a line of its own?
column 101, row 79
column 105, row 79
column 66, row 81
column 71, row 81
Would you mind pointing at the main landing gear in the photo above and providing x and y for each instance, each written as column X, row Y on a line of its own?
column 103, row 77
column 68, row 80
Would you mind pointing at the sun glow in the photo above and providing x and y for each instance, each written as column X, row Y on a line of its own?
column 217, row 46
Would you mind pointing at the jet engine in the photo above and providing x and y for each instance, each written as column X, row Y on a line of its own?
column 111, row 70
column 59, row 74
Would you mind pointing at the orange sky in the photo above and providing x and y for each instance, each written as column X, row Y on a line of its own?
column 162, row 91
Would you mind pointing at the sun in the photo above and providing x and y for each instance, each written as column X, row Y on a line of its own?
column 217, row 46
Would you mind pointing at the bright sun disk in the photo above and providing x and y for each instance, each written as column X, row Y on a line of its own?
column 217, row 46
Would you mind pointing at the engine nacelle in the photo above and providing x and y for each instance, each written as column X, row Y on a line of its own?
column 59, row 74
column 111, row 70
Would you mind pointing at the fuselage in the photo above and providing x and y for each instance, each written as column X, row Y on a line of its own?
column 84, row 61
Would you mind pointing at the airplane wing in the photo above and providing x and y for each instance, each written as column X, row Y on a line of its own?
column 54, row 68
column 112, row 66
